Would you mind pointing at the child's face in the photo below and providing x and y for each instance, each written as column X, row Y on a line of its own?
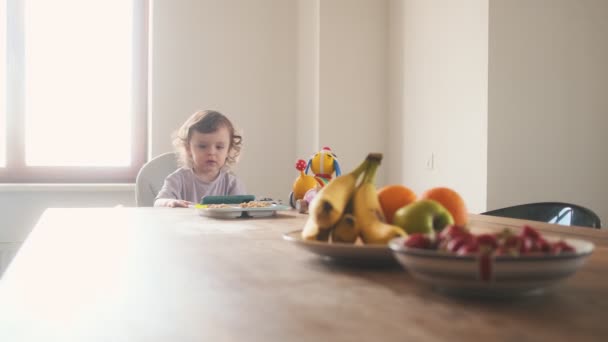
column 209, row 151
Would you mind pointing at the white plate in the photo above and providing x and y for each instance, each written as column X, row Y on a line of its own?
column 505, row 276
column 344, row 252
column 235, row 211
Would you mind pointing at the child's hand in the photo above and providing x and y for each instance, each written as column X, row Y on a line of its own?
column 179, row 204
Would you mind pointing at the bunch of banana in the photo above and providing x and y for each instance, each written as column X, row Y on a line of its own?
column 346, row 230
column 346, row 211
column 329, row 204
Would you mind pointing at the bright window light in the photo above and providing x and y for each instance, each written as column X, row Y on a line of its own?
column 3, row 14
column 78, row 82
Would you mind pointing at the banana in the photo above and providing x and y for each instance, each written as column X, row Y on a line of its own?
column 313, row 232
column 346, row 230
column 367, row 210
column 327, row 207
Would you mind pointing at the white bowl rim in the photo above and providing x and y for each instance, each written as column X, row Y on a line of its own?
column 396, row 245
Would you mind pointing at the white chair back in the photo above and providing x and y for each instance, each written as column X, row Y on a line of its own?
column 151, row 177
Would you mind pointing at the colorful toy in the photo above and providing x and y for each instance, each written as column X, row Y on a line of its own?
column 323, row 165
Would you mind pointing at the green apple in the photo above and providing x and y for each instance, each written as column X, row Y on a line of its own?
column 423, row 216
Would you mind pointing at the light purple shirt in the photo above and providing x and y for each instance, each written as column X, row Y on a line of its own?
column 184, row 185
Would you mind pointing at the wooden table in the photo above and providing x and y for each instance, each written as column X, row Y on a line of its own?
column 161, row 274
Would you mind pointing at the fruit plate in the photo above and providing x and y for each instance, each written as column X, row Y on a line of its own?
column 235, row 211
column 496, row 276
column 344, row 252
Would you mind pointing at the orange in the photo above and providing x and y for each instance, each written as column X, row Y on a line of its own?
column 451, row 200
column 393, row 197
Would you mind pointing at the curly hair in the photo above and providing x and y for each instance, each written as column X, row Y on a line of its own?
column 205, row 121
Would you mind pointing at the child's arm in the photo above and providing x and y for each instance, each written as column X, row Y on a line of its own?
column 172, row 203
column 169, row 194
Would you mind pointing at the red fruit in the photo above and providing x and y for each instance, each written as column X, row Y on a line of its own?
column 525, row 245
column 487, row 240
column 452, row 231
column 418, row 240
column 530, row 232
column 541, row 245
column 512, row 241
column 485, row 267
column 455, row 243
column 472, row 247
column 500, row 250
column 567, row 247
column 561, row 247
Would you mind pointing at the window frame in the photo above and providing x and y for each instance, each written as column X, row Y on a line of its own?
column 16, row 171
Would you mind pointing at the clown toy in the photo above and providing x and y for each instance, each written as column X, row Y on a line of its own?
column 323, row 165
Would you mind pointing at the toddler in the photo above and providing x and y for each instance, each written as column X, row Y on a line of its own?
column 208, row 145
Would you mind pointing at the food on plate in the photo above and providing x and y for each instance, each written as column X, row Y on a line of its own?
column 217, row 206
column 255, row 204
column 393, row 197
column 459, row 240
column 423, row 216
column 451, row 200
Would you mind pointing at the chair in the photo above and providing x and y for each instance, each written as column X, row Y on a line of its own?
column 151, row 177
column 551, row 212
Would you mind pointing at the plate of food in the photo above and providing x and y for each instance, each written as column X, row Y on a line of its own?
column 499, row 264
column 357, row 253
column 242, row 210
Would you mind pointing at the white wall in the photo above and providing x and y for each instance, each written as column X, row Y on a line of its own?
column 547, row 103
column 395, row 138
column 307, row 109
column 342, row 80
column 238, row 57
column 443, row 100
column 353, row 82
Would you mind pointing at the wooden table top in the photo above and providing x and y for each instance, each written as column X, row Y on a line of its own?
column 162, row 274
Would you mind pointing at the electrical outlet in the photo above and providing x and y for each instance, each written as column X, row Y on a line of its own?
column 430, row 162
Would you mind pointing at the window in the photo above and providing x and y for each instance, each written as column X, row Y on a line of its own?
column 2, row 83
column 74, row 90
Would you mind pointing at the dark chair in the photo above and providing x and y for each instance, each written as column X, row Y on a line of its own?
column 551, row 212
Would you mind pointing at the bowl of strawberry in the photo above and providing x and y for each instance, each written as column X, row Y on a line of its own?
column 502, row 263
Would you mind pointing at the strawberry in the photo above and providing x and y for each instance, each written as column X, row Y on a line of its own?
column 561, row 247
column 541, row 245
column 470, row 247
column 530, row 232
column 525, row 244
column 418, row 240
column 452, row 231
column 487, row 240
column 455, row 243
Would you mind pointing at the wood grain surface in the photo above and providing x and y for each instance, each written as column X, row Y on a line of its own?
column 162, row 274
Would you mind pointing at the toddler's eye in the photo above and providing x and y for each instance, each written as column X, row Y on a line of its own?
column 220, row 147
column 202, row 146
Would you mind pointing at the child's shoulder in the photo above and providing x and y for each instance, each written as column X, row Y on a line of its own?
column 181, row 173
column 228, row 175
